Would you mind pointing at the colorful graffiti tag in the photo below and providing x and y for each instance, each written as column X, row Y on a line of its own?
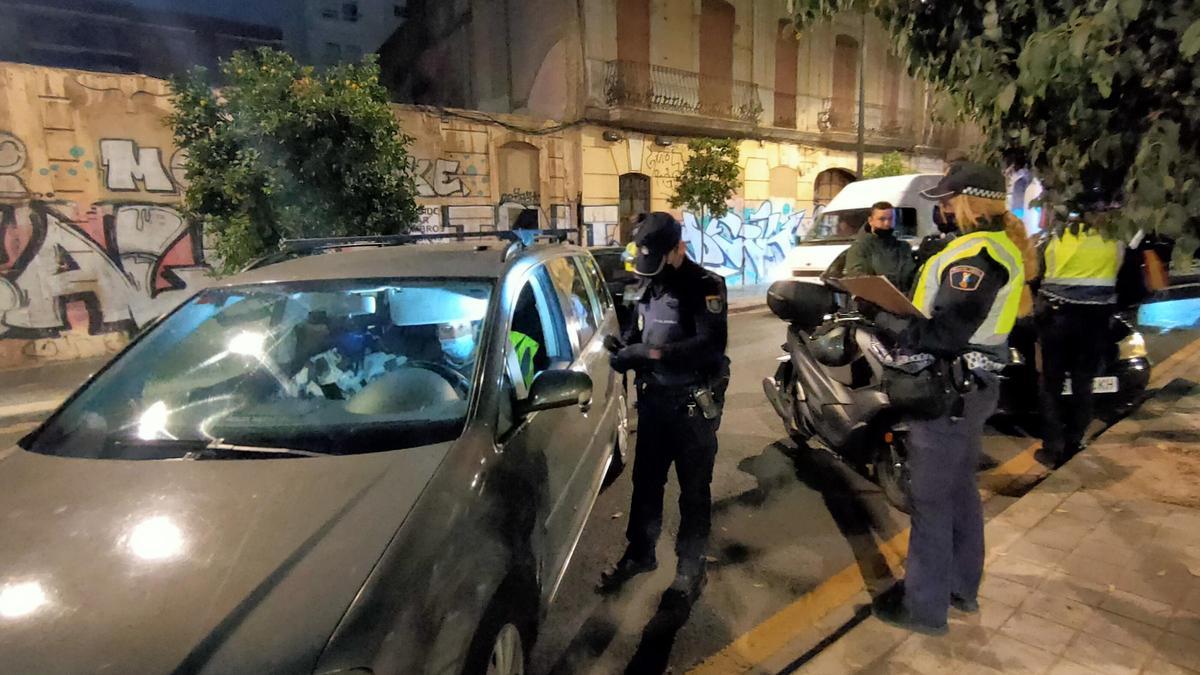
column 113, row 268
column 746, row 248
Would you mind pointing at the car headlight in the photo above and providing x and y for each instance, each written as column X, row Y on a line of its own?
column 1132, row 347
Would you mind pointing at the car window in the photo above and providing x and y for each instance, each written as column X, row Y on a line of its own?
column 576, row 299
column 335, row 367
column 596, row 281
column 538, row 338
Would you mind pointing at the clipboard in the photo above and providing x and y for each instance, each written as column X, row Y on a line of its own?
column 879, row 291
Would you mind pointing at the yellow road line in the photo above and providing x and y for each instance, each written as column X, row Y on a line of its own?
column 771, row 636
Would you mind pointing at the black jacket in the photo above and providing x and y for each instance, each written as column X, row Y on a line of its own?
column 683, row 314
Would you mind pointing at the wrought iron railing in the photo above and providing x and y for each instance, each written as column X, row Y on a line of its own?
column 881, row 120
column 640, row 85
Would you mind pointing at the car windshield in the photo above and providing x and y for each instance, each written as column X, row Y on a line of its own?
column 845, row 225
column 325, row 367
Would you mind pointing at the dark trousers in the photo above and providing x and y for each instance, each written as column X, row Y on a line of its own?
column 945, row 546
column 669, row 433
column 1074, row 341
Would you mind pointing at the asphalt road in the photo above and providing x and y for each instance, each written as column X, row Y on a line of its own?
column 785, row 520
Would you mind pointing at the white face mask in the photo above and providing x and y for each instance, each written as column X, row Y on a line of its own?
column 458, row 348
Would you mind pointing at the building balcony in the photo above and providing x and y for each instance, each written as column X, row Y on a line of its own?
column 676, row 95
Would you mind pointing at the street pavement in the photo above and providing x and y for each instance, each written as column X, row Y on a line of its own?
column 794, row 530
column 1094, row 571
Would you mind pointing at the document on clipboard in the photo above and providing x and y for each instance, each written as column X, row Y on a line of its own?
column 878, row 290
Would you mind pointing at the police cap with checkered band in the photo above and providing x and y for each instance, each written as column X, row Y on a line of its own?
column 969, row 178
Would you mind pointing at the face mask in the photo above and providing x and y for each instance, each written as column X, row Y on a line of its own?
column 885, row 234
column 948, row 224
column 458, row 349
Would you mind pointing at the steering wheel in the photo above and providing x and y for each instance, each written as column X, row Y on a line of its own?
column 462, row 386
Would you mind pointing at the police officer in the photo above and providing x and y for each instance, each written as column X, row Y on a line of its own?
column 676, row 347
column 971, row 291
column 1077, row 297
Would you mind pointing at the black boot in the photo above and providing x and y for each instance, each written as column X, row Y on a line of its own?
column 690, row 577
column 890, row 609
column 628, row 567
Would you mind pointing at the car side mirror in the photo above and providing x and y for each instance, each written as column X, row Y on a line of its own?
column 557, row 389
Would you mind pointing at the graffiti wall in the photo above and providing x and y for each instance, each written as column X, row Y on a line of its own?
column 92, row 246
column 746, row 248
column 477, row 175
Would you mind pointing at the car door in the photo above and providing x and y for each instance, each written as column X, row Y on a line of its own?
column 550, row 442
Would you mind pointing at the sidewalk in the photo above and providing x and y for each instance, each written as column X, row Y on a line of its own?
column 1096, row 570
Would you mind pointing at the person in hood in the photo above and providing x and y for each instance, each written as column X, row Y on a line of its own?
column 878, row 252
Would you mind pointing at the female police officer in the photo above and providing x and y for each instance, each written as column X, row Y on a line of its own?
column 972, row 293
column 676, row 346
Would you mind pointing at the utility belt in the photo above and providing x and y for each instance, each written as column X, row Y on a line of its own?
column 934, row 391
column 706, row 397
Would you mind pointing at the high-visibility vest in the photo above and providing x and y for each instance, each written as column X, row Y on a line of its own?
column 994, row 330
column 526, row 348
column 629, row 256
column 1082, row 267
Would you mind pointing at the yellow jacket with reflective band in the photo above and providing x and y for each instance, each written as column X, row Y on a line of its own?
column 1082, row 267
column 994, row 330
column 526, row 348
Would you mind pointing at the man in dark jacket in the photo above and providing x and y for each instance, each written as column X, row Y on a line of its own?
column 877, row 251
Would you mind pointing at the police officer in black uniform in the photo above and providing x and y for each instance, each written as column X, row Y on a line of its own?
column 676, row 347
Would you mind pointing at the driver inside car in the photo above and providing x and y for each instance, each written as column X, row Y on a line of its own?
column 457, row 339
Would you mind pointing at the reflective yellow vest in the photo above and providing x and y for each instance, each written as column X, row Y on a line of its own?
column 994, row 330
column 1082, row 267
column 629, row 256
column 526, row 348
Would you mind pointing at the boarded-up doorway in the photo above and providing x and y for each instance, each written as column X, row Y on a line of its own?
column 842, row 113
column 634, row 199
column 717, row 19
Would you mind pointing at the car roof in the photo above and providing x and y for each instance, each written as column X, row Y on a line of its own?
column 901, row 191
column 472, row 259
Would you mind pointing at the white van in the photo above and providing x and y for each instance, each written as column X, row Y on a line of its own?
column 846, row 214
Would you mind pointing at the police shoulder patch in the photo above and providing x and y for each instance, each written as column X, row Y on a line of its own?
column 966, row 277
column 714, row 303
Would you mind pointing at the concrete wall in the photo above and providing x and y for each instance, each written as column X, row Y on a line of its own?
column 772, row 206
column 92, row 245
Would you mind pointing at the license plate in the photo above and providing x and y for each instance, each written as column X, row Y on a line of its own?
column 1100, row 385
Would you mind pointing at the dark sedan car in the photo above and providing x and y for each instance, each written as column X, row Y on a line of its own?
column 378, row 460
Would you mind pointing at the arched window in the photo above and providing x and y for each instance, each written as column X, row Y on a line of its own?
column 717, row 20
column 842, row 113
column 828, row 184
column 787, row 56
column 783, row 182
column 520, row 179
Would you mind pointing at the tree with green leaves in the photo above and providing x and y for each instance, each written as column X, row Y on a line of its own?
column 891, row 164
column 1098, row 97
column 709, row 177
column 282, row 151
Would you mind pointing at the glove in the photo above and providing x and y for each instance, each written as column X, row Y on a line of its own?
column 633, row 357
column 613, row 344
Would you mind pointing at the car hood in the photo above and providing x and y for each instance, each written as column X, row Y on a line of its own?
column 191, row 566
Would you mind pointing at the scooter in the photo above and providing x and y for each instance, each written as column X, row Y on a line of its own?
column 828, row 386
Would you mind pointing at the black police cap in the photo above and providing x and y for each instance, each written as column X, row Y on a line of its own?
column 657, row 235
column 969, row 178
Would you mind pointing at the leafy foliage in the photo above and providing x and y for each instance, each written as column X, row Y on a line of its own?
column 891, row 164
column 1098, row 96
column 283, row 151
column 709, row 177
